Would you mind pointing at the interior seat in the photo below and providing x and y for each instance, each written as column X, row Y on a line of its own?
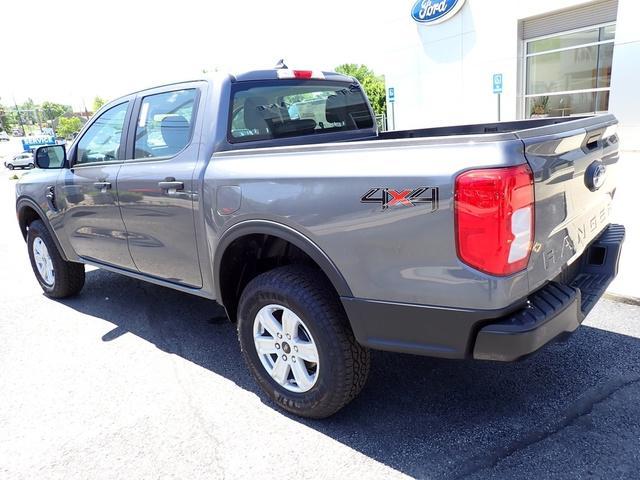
column 176, row 131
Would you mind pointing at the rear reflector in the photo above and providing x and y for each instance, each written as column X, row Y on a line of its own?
column 494, row 213
column 301, row 74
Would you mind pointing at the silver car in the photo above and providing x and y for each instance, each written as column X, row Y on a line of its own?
column 21, row 160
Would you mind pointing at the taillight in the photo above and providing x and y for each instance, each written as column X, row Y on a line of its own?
column 494, row 212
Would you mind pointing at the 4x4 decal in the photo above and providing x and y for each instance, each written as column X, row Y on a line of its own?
column 390, row 198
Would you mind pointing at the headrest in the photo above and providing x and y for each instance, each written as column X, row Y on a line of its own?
column 254, row 113
column 335, row 109
column 175, row 130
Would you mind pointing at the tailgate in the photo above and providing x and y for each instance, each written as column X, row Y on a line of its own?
column 573, row 165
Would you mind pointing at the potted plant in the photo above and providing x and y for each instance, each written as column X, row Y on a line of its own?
column 540, row 107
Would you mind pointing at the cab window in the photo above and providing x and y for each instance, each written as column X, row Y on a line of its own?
column 263, row 111
column 102, row 141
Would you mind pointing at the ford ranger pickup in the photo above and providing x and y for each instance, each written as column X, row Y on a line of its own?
column 273, row 193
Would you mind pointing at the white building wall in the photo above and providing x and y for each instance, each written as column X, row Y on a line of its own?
column 625, row 79
column 442, row 74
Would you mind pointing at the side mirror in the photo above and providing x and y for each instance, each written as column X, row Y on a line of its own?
column 50, row 157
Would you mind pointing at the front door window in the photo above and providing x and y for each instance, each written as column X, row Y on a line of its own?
column 101, row 142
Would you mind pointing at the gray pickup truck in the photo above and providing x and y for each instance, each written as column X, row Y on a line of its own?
column 273, row 193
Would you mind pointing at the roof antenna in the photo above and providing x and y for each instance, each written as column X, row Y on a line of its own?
column 280, row 64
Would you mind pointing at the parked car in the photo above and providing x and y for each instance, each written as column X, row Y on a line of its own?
column 18, row 132
column 4, row 137
column 323, row 238
column 22, row 160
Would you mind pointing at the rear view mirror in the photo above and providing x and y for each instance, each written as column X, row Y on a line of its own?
column 51, row 157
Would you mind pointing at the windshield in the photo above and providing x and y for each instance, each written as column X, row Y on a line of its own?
column 281, row 109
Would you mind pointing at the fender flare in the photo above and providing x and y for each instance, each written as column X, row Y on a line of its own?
column 23, row 202
column 266, row 227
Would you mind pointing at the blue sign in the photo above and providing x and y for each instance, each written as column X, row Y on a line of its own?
column 31, row 143
column 497, row 83
column 432, row 12
column 392, row 94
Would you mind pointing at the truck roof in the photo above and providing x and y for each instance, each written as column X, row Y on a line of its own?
column 274, row 74
column 253, row 75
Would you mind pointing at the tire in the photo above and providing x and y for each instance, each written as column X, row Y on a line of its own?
column 68, row 277
column 30, row 166
column 343, row 365
column 10, row 167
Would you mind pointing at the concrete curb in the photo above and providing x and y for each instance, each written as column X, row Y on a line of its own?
column 622, row 299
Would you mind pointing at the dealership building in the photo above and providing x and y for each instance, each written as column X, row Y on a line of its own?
column 454, row 61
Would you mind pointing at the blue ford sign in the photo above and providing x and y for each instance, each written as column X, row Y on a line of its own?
column 432, row 12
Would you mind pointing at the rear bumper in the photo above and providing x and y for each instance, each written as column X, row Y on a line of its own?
column 502, row 335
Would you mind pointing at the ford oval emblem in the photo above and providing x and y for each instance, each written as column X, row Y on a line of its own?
column 595, row 176
column 432, row 12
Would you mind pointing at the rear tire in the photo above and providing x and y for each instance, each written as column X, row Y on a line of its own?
column 342, row 364
column 57, row 277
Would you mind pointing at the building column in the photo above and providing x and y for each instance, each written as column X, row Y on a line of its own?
column 625, row 76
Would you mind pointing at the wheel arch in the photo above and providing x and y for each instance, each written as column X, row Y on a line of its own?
column 252, row 228
column 27, row 211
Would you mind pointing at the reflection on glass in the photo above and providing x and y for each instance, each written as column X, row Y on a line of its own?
column 562, row 71
column 608, row 33
column 605, row 60
column 564, row 41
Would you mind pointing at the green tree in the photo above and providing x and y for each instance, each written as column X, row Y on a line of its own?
column 373, row 84
column 53, row 111
column 7, row 120
column 28, row 112
column 98, row 102
column 68, row 125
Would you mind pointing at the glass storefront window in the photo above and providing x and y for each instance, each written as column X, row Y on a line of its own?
column 569, row 74
column 565, row 105
column 564, row 41
column 563, row 71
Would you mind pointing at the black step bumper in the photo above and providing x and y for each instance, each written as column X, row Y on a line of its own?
column 557, row 308
column 501, row 335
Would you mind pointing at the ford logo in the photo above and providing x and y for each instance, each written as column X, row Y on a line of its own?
column 432, row 12
column 595, row 176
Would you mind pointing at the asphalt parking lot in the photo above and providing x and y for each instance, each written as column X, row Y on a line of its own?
column 132, row 380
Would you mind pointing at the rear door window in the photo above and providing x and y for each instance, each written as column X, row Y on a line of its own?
column 284, row 109
column 165, row 124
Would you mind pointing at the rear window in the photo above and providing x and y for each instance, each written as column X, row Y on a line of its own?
column 291, row 108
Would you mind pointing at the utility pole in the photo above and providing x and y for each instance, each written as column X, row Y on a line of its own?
column 38, row 118
column 24, row 131
column 86, row 112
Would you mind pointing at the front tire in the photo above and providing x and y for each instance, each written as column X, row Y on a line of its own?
column 10, row 167
column 297, row 342
column 57, row 277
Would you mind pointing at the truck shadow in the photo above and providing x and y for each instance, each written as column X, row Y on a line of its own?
column 424, row 417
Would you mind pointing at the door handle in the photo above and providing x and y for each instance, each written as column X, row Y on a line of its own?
column 102, row 185
column 171, row 184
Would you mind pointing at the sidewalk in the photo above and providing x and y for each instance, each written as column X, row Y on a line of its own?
column 626, row 210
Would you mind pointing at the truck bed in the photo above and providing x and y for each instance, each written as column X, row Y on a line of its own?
column 476, row 129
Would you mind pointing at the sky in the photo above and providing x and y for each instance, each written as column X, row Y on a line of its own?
column 69, row 51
